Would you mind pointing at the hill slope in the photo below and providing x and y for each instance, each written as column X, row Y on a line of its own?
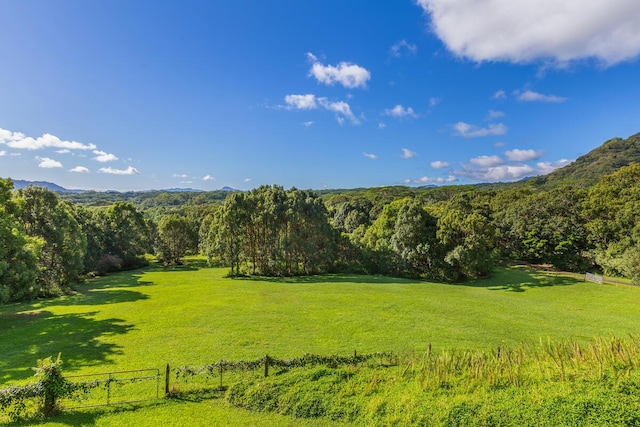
column 588, row 169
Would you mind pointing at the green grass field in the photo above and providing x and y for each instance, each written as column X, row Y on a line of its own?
column 194, row 316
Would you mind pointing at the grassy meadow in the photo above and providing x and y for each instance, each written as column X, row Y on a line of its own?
column 194, row 316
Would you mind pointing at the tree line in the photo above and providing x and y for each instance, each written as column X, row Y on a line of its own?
column 449, row 234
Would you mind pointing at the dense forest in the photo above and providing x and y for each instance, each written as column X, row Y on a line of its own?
column 51, row 241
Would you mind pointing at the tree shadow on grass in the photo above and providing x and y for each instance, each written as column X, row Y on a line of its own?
column 519, row 279
column 37, row 335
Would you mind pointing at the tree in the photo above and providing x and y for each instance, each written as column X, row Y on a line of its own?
column 18, row 253
column 126, row 234
column 42, row 215
column 176, row 238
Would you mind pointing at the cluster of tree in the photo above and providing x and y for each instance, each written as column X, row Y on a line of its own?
column 48, row 243
column 271, row 231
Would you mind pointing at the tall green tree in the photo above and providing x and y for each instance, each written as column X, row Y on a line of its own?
column 18, row 253
column 126, row 234
column 176, row 238
column 43, row 215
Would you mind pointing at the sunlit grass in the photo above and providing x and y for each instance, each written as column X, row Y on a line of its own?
column 195, row 316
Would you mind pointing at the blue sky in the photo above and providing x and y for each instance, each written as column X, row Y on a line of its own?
column 313, row 94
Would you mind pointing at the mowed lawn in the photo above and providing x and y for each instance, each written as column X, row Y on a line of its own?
column 194, row 316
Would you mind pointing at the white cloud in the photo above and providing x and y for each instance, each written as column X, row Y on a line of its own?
column 486, row 161
column 408, row 154
column 247, row 180
column 434, row 101
column 307, row 124
column 341, row 109
column 381, row 125
column 103, row 157
column 301, row 102
column 522, row 155
column 79, row 169
column 3, row 153
column 311, row 102
column 48, row 163
column 470, row 131
column 548, row 167
column 438, row 164
column 208, row 178
column 399, row 111
column 499, row 94
column 530, row 30
column 21, row 141
column 370, row 156
column 403, row 48
column 494, row 114
column 499, row 144
column 425, row 180
column 531, row 96
column 63, row 151
column 498, row 173
column 180, row 175
column 349, row 75
column 128, row 171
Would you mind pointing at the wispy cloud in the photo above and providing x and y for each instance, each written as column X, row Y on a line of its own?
column 541, row 30
column 208, row 178
column 180, row 175
column 3, row 153
column 370, row 156
column 47, row 163
column 499, row 94
column 408, row 154
column 531, row 96
column 399, row 112
column 79, row 169
column 471, row 131
column 494, row 114
column 349, row 75
column 438, row 164
column 128, row 171
column 548, row 167
column 341, row 109
column 403, row 48
column 307, row 124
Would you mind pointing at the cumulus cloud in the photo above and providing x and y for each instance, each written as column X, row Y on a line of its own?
column 128, row 171
column 531, row 96
column 525, row 31
column 438, row 164
column 301, row 102
column 208, row 178
column 399, row 112
column 370, row 156
column 341, row 109
column 103, row 157
column 79, row 169
column 486, row 161
column 522, row 155
column 21, row 141
column 548, row 167
column 408, row 154
column 425, row 180
column 471, row 131
column 3, row 153
column 498, row 173
column 349, row 75
column 403, row 48
column 48, row 163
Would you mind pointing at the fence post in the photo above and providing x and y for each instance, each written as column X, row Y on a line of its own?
column 220, row 375
column 167, row 373
column 108, row 388
column 266, row 365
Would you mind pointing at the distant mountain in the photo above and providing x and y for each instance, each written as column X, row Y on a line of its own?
column 183, row 190
column 19, row 183
column 229, row 189
column 590, row 168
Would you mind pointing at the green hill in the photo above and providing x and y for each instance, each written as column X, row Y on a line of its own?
column 588, row 169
